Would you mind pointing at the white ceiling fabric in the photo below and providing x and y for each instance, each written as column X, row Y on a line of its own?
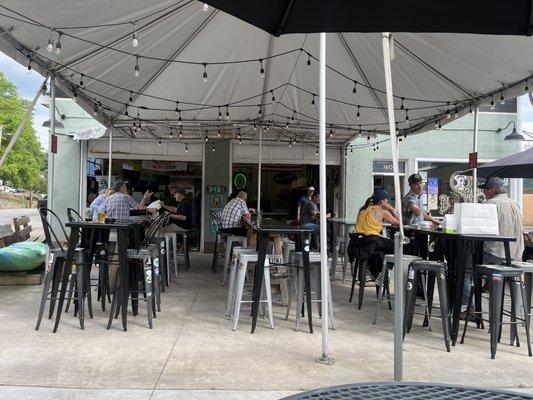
column 439, row 67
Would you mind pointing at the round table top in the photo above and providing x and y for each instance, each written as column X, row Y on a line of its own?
column 407, row 390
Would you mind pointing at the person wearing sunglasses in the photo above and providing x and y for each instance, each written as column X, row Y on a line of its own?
column 412, row 210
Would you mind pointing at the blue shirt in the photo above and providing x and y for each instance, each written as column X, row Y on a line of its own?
column 97, row 204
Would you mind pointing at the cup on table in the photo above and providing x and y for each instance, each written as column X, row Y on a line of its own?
column 101, row 216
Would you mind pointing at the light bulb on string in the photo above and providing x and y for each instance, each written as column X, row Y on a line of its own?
column 448, row 112
column 405, row 135
column 219, row 114
column 227, row 113
column 205, row 7
column 502, row 99
column 205, row 72
column 287, row 124
column 186, row 147
column 439, row 126
column 130, row 99
column 273, row 98
column 219, row 134
column 351, row 149
column 50, row 46
column 213, row 147
column 526, row 88
column 330, row 133
column 29, row 66
column 401, row 105
column 407, row 114
column 135, row 40
column 206, row 137
column 360, row 131
column 308, row 62
column 455, row 113
column 313, row 101
column 470, row 110
column 171, row 133
column 177, row 109
column 255, row 127
column 95, row 110
column 159, row 143
column 260, row 113
column 75, row 96
column 181, row 134
column 262, row 70
column 358, row 113
column 81, row 84
column 179, row 118
column 292, row 118
column 368, row 138
column 436, row 124
column 492, row 105
column 377, row 146
column 58, row 45
column 126, row 109
column 354, row 90
column 290, row 143
column 316, row 152
column 136, row 69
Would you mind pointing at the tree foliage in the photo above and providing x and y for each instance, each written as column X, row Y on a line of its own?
column 26, row 163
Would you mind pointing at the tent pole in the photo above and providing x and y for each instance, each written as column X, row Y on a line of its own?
column 52, row 116
column 259, row 166
column 474, row 149
column 110, row 157
column 324, row 273
column 386, row 39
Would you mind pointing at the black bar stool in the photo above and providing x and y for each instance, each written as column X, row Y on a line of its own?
column 426, row 267
column 362, row 255
column 498, row 275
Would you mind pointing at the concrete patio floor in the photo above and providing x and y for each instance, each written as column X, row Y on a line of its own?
column 193, row 353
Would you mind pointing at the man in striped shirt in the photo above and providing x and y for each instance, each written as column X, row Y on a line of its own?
column 119, row 204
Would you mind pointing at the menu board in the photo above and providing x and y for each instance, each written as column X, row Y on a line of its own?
column 433, row 193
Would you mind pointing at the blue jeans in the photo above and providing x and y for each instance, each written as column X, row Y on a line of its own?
column 487, row 259
column 310, row 225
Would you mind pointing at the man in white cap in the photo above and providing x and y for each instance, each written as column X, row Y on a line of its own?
column 304, row 199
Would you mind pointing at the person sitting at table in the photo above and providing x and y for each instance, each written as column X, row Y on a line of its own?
column 304, row 199
column 99, row 202
column 235, row 215
column 181, row 214
column 412, row 210
column 119, row 204
column 309, row 214
column 369, row 225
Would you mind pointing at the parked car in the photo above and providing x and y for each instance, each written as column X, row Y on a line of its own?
column 42, row 202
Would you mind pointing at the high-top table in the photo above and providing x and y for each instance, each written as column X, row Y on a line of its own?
column 124, row 229
column 457, row 247
column 347, row 223
column 269, row 227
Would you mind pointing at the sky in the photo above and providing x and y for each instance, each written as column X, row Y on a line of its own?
column 27, row 84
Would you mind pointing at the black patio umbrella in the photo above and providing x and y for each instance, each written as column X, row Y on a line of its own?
column 280, row 17
column 519, row 165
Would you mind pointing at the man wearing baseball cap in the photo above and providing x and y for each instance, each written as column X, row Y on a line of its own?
column 181, row 215
column 412, row 210
column 509, row 221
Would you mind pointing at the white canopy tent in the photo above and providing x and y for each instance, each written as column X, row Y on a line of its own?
column 199, row 73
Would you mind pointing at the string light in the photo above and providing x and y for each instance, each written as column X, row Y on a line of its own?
column 171, row 133
column 455, row 113
column 58, row 45
column 131, row 97
column 213, row 147
column 368, row 138
column 260, row 111
column 186, row 147
column 448, row 112
column 292, row 118
column 135, row 40
column 401, row 105
column 219, row 134
column 159, row 143
column 81, row 81
column 136, row 70
column 29, row 64
column 273, row 98
column 316, row 152
column 179, row 117
column 126, row 111
column 205, row 72
column 290, row 143
column 262, row 70
column 181, row 134
column 227, row 113
column 287, row 124
column 526, row 88
column 50, row 46
column 255, row 127
column 206, row 137
column 313, row 101
column 358, row 113
column 354, row 90
column 405, row 135
column 95, row 111
column 330, row 133
column 470, row 110
column 502, row 99
column 492, row 105
column 219, row 114
column 407, row 114
column 308, row 62
column 439, row 126
column 75, row 97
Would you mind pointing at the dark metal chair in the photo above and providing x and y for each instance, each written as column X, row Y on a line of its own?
column 73, row 215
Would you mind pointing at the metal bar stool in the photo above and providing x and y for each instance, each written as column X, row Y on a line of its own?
column 527, row 268
column 426, row 267
column 497, row 276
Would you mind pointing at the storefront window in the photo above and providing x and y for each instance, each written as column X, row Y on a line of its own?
column 441, row 179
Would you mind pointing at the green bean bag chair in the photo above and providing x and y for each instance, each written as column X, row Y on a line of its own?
column 22, row 256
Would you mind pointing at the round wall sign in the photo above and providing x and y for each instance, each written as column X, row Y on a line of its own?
column 239, row 181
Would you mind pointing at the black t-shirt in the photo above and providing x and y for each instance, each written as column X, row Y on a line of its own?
column 184, row 208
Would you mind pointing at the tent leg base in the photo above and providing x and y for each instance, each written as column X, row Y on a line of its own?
column 325, row 359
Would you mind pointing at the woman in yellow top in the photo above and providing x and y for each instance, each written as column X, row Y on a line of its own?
column 369, row 225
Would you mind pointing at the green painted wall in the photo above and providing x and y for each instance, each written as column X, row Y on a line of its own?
column 217, row 171
column 66, row 176
column 453, row 141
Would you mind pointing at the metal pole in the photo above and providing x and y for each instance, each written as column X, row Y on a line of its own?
column 52, row 113
column 110, row 157
column 22, row 122
column 398, row 308
column 324, row 273
column 259, row 175
column 386, row 39
column 474, row 149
